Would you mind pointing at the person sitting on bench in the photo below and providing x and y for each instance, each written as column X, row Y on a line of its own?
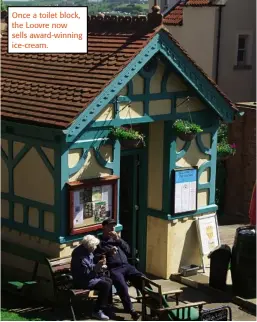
column 87, row 275
column 116, row 251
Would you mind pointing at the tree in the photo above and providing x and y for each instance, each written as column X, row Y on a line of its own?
column 3, row 6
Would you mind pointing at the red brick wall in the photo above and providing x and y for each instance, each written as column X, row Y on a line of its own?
column 241, row 169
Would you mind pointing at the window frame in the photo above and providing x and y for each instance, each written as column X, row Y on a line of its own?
column 246, row 64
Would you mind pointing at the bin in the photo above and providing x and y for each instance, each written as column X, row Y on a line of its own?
column 220, row 259
column 243, row 264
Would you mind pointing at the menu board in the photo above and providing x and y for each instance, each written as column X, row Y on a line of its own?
column 91, row 205
column 185, row 190
column 208, row 232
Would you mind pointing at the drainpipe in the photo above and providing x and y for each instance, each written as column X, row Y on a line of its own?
column 218, row 46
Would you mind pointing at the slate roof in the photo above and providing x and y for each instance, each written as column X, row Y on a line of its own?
column 53, row 89
column 175, row 15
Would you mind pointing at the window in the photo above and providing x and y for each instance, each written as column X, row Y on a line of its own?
column 242, row 49
column 92, row 201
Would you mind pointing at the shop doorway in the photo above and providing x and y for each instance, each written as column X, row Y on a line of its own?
column 133, row 203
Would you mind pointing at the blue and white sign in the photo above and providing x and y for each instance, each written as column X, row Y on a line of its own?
column 185, row 190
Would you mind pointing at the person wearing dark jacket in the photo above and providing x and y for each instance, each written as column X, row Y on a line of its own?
column 86, row 274
column 116, row 251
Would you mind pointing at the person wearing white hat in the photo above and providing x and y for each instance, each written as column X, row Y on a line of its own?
column 86, row 274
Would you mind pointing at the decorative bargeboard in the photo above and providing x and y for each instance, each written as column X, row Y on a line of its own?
column 92, row 201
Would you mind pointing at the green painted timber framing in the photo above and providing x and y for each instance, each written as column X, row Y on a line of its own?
column 161, row 43
column 12, row 162
column 85, row 133
column 167, row 216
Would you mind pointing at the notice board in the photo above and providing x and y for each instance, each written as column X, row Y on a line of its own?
column 185, row 190
column 90, row 202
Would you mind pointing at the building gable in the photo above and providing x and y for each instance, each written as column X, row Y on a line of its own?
column 189, row 73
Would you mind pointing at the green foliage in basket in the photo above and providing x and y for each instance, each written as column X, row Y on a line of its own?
column 183, row 126
column 123, row 133
column 226, row 149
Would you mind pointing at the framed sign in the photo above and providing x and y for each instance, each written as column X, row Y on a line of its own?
column 208, row 233
column 185, row 190
column 92, row 201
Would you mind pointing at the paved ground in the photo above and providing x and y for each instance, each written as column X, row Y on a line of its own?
column 227, row 234
column 32, row 311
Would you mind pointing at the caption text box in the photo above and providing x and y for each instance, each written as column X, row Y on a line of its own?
column 47, row 30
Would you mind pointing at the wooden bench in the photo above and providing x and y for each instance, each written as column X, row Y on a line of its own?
column 62, row 282
column 20, row 286
column 60, row 269
column 155, row 300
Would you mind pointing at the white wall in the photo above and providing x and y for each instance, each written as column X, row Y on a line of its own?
column 197, row 36
column 238, row 16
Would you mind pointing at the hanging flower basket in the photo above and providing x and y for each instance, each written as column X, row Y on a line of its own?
column 186, row 130
column 224, row 157
column 225, row 150
column 131, row 144
column 129, row 138
column 186, row 136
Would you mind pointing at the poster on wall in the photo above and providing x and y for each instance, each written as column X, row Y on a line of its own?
column 208, row 233
column 185, row 190
column 91, row 205
column 78, row 208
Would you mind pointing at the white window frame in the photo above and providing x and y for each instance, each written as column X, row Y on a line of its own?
column 249, row 45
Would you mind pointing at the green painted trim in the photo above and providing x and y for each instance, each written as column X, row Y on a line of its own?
column 41, row 219
column 64, row 178
column 186, row 68
column 31, row 131
column 113, row 89
column 203, row 167
column 164, row 80
column 28, row 230
column 149, row 74
column 27, row 202
column 169, row 163
column 28, row 140
column 213, row 166
column 143, row 204
column 180, row 62
column 90, row 136
column 73, row 238
column 166, row 216
column 80, row 163
column 45, row 160
column 25, row 215
column 156, row 96
column 22, row 251
column 20, row 155
column 4, row 156
column 102, row 162
column 142, row 213
column 183, row 151
column 130, row 88
column 203, row 118
column 203, row 186
column 11, row 181
column 57, row 191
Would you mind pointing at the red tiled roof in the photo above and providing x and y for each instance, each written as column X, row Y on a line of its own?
column 53, row 89
column 175, row 16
